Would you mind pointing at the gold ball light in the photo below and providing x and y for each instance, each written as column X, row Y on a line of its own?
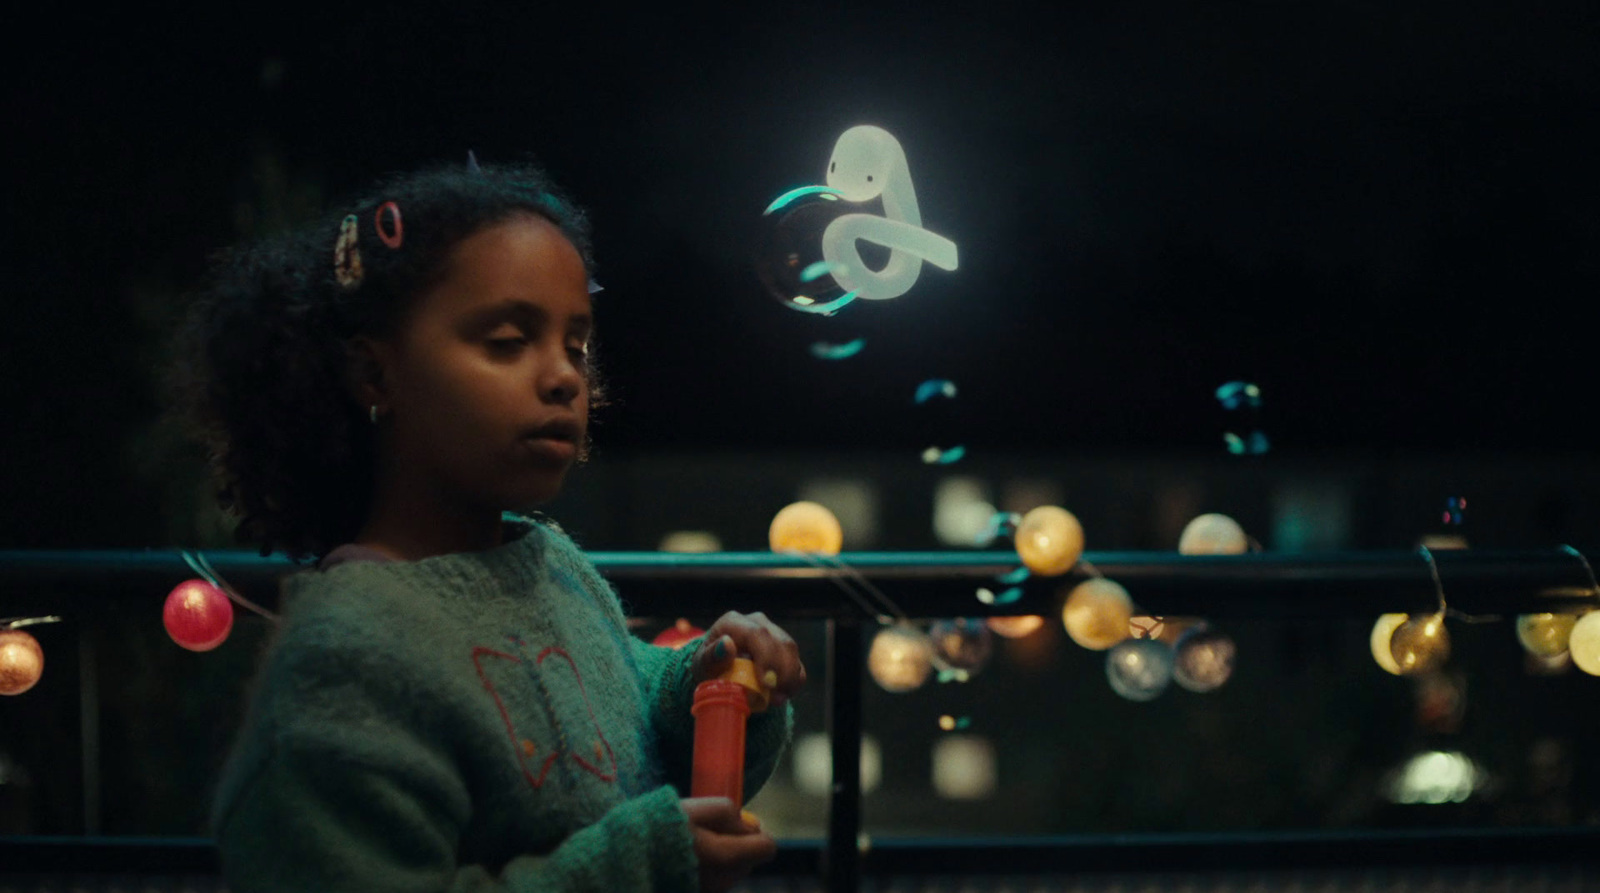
column 1097, row 614
column 1049, row 540
column 1213, row 534
column 1420, row 644
column 1545, row 635
column 1383, row 638
column 21, row 661
column 805, row 527
column 900, row 659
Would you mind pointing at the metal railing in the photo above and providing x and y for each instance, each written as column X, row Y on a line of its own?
column 942, row 584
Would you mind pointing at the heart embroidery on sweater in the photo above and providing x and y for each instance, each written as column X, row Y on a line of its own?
column 604, row 764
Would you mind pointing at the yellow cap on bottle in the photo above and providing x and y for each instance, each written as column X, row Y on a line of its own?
column 743, row 671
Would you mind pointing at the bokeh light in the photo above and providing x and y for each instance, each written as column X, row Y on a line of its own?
column 901, row 658
column 1381, row 640
column 1049, row 540
column 1420, row 644
column 1546, row 635
column 21, row 661
column 1213, row 534
column 1097, row 614
column 1016, row 627
column 805, row 527
column 962, row 644
column 1139, row 669
column 1203, row 659
column 197, row 615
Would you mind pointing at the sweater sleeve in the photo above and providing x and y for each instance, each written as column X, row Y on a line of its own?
column 669, row 690
column 357, row 800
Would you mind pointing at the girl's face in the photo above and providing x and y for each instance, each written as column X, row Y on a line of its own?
column 487, row 384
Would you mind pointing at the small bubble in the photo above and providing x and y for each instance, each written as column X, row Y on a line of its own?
column 1455, row 510
column 822, row 350
column 1009, row 596
column 936, row 456
column 817, row 270
column 1254, row 445
column 1236, row 394
column 1016, row 576
column 934, row 387
column 986, row 596
column 951, row 723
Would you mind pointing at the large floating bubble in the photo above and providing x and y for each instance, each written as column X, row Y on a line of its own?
column 789, row 257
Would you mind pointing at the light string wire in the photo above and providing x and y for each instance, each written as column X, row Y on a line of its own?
column 860, row 598
column 1593, row 586
column 1438, row 587
column 20, row 622
column 197, row 562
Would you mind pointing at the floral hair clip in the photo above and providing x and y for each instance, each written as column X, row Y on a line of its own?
column 347, row 255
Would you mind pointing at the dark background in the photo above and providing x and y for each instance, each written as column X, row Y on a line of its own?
column 1384, row 216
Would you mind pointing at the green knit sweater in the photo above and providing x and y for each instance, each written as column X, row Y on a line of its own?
column 478, row 721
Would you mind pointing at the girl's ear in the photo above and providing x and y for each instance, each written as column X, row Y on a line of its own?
column 364, row 371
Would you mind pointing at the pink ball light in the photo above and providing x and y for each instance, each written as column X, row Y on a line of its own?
column 198, row 616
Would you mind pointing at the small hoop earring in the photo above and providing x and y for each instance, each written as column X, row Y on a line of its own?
column 374, row 414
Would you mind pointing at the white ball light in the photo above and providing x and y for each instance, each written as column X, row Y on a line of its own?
column 900, row 659
column 1585, row 643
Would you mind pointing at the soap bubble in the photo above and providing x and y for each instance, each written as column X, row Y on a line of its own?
column 934, row 387
column 1014, row 576
column 935, row 456
column 1139, row 669
column 789, row 261
column 1203, row 659
column 1001, row 524
column 822, row 350
column 953, row 723
column 961, row 645
column 1237, row 394
column 1253, row 445
column 1455, row 510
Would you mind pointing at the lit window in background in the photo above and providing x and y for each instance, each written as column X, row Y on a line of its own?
column 962, row 508
column 963, row 767
column 690, row 541
column 813, row 764
column 853, row 502
column 1310, row 518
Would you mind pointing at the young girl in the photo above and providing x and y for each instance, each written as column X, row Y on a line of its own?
column 452, row 700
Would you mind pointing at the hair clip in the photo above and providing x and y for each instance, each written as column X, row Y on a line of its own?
column 472, row 163
column 393, row 234
column 347, row 255
column 595, row 287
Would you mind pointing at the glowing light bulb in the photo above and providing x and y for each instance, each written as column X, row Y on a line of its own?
column 1097, row 614
column 1584, row 644
column 1420, row 644
column 1545, row 635
column 806, row 527
column 900, row 659
column 1016, row 627
column 1139, row 669
column 1049, row 540
column 1203, row 660
column 1382, row 638
column 197, row 615
column 1213, row 534
column 21, row 661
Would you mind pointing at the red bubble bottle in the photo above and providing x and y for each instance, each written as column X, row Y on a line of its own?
column 721, row 707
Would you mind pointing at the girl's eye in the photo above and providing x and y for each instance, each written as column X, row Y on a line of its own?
column 507, row 343
column 579, row 355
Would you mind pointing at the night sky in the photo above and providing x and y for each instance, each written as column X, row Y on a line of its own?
column 1388, row 218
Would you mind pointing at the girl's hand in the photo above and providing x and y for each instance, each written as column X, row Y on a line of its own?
column 776, row 657
column 726, row 846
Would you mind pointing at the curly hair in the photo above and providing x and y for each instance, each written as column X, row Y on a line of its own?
column 259, row 366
